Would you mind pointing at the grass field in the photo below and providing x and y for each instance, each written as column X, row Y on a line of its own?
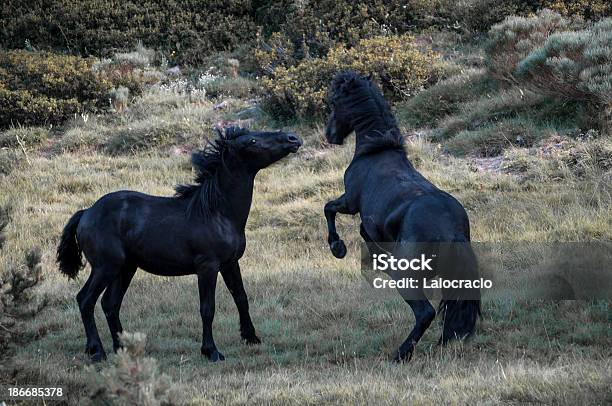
column 327, row 336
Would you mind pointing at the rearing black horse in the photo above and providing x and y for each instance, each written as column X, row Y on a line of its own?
column 395, row 202
column 199, row 231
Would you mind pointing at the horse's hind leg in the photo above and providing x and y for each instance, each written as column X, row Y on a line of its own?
column 87, row 298
column 424, row 313
column 111, row 302
column 207, row 283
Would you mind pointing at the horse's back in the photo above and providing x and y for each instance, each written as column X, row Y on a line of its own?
column 112, row 221
column 398, row 203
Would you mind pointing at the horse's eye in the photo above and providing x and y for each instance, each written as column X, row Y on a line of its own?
column 253, row 141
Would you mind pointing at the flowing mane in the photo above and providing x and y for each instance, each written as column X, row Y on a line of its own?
column 370, row 111
column 208, row 162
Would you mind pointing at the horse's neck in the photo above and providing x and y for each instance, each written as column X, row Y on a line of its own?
column 366, row 126
column 361, row 136
column 237, row 191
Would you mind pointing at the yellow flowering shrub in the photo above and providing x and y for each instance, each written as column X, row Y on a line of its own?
column 394, row 62
column 46, row 88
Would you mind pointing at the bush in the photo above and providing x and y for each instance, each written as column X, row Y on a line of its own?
column 587, row 9
column 444, row 98
column 513, row 39
column 469, row 16
column 133, row 379
column 493, row 138
column 313, row 28
column 395, row 62
column 17, row 284
column 44, row 88
column 186, row 31
column 574, row 66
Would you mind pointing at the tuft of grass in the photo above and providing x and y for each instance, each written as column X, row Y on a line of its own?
column 446, row 97
column 9, row 160
column 237, row 87
column 17, row 137
column 492, row 139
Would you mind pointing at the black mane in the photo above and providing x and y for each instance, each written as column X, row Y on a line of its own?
column 205, row 195
column 369, row 110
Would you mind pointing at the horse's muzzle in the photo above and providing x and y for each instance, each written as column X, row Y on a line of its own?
column 294, row 142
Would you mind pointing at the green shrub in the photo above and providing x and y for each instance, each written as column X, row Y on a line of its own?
column 133, row 378
column 493, row 138
column 444, row 98
column 186, row 31
column 469, row 16
column 44, row 88
column 513, row 39
column 18, row 282
column 395, row 62
column 587, row 9
column 315, row 27
column 574, row 66
column 122, row 73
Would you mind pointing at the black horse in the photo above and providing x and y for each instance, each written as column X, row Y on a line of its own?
column 396, row 203
column 198, row 231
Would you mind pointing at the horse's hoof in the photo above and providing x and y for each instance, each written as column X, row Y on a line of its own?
column 213, row 355
column 96, row 353
column 338, row 249
column 403, row 356
column 251, row 339
column 97, row 357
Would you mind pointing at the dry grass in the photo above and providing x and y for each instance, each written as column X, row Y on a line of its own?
column 327, row 337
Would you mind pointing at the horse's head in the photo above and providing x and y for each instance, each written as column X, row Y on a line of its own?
column 347, row 91
column 261, row 149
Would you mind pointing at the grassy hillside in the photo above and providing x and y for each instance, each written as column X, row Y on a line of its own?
column 516, row 124
column 327, row 336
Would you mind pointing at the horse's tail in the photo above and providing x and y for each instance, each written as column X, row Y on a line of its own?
column 460, row 308
column 68, row 251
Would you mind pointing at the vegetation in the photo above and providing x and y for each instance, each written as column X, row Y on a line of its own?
column 45, row 88
column 541, row 78
column 186, row 31
column 510, row 115
column 18, row 302
column 393, row 61
column 133, row 379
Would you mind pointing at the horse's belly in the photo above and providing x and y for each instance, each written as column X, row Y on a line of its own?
column 166, row 268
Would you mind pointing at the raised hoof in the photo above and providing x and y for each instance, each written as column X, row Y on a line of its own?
column 251, row 339
column 213, row 355
column 338, row 249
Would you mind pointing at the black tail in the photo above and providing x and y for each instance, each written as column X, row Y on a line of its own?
column 459, row 309
column 68, row 251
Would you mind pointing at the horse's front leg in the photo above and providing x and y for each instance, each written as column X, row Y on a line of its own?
column 207, row 282
column 233, row 281
column 331, row 208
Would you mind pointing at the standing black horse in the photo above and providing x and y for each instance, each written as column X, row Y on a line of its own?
column 396, row 203
column 199, row 231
